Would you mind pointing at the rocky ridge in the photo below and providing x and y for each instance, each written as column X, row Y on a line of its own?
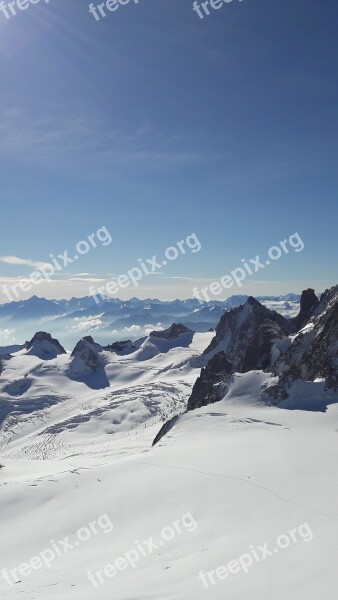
column 252, row 337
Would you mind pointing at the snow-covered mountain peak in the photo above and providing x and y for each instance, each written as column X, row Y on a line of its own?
column 44, row 346
column 174, row 331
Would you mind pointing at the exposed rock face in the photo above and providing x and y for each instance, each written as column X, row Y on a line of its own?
column 313, row 354
column 264, row 349
column 44, row 346
column 175, row 330
column 246, row 338
column 88, row 364
column 203, row 393
column 308, row 304
column 86, row 356
column 165, row 429
column 252, row 337
column 83, row 343
column 123, row 347
column 238, row 328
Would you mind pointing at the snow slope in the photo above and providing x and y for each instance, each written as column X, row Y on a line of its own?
column 238, row 473
column 46, row 413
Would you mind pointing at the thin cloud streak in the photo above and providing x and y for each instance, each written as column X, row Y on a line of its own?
column 27, row 262
column 77, row 138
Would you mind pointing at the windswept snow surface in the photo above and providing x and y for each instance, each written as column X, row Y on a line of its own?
column 227, row 479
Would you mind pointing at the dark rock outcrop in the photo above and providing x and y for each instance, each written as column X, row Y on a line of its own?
column 263, row 349
column 84, row 343
column 44, row 346
column 246, row 338
column 313, row 353
column 252, row 337
column 88, row 364
column 238, row 327
column 165, row 429
column 86, row 355
column 203, row 393
column 123, row 347
column 308, row 304
column 174, row 331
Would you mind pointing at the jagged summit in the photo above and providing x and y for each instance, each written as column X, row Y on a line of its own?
column 123, row 347
column 44, row 346
column 174, row 331
column 252, row 301
column 252, row 337
column 161, row 342
column 248, row 337
column 308, row 304
column 239, row 325
column 313, row 353
column 86, row 357
column 88, row 364
column 86, row 342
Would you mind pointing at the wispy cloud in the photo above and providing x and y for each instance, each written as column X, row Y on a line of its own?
column 26, row 262
column 77, row 138
column 87, row 279
column 183, row 278
column 87, row 324
column 149, row 328
column 6, row 333
column 132, row 329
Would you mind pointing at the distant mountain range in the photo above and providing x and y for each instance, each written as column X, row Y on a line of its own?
column 114, row 319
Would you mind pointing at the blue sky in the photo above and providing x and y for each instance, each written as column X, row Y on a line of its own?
column 155, row 124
